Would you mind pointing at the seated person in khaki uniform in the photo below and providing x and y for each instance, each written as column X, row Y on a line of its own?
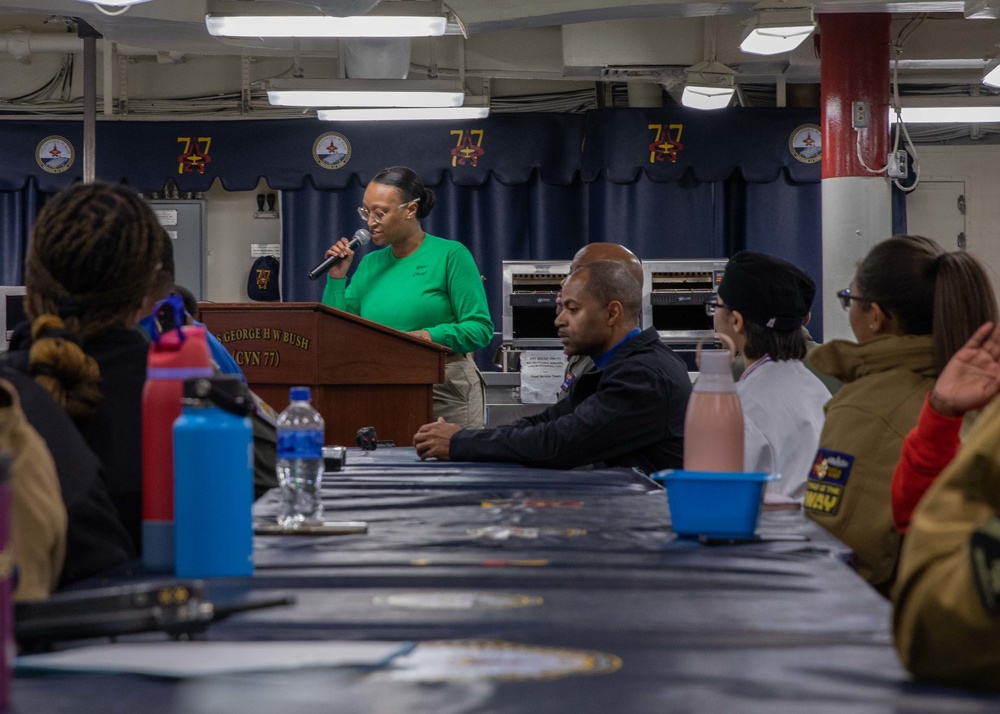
column 911, row 306
column 592, row 252
column 38, row 516
column 947, row 596
column 627, row 411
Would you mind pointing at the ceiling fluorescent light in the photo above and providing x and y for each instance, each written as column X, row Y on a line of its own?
column 267, row 18
column 772, row 31
column 710, row 85
column 949, row 115
column 365, row 93
column 404, row 113
column 114, row 3
column 949, row 110
column 325, row 26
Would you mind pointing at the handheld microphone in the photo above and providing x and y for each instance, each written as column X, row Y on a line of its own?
column 360, row 238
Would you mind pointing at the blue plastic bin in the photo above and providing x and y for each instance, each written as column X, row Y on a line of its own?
column 714, row 504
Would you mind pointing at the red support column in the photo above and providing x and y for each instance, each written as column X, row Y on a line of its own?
column 854, row 66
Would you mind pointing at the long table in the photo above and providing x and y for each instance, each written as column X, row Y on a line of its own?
column 532, row 590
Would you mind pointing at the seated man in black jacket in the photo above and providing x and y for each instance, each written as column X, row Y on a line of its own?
column 628, row 411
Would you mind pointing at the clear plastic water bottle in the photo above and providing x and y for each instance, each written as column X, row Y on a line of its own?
column 300, row 460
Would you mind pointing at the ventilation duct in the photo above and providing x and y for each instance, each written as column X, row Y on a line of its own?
column 377, row 57
column 340, row 8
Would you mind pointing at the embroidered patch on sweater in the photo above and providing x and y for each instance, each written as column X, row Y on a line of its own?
column 827, row 480
column 984, row 549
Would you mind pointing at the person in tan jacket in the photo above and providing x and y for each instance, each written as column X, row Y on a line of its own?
column 947, row 597
column 38, row 516
column 911, row 306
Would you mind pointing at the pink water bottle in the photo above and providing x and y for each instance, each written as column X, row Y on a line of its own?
column 713, row 424
column 176, row 355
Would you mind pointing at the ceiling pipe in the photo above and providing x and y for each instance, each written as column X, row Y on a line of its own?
column 22, row 44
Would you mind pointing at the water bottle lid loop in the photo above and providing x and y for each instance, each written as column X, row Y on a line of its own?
column 169, row 315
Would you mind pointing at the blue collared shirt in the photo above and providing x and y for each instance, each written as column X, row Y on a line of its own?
column 602, row 360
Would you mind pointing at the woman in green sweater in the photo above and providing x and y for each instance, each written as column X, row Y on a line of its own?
column 426, row 286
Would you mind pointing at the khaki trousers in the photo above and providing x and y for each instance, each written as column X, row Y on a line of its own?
column 462, row 398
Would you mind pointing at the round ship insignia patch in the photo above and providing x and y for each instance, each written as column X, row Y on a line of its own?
column 458, row 601
column 806, row 143
column 54, row 154
column 469, row 660
column 332, row 150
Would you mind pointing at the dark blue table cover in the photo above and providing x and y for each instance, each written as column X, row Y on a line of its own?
column 541, row 565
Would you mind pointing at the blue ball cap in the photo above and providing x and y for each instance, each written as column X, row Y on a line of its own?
column 300, row 394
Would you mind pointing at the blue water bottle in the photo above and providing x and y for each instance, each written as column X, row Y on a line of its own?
column 213, row 479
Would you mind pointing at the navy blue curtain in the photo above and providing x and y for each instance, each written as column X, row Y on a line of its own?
column 676, row 219
column 17, row 214
column 781, row 218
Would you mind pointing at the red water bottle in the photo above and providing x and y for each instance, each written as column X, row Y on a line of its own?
column 177, row 354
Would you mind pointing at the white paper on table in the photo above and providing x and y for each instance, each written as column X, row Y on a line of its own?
column 542, row 375
column 201, row 659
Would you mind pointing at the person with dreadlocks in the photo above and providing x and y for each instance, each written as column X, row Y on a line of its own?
column 93, row 255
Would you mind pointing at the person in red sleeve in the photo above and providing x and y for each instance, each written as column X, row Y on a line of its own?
column 970, row 379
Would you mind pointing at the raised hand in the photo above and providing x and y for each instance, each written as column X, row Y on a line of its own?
column 972, row 376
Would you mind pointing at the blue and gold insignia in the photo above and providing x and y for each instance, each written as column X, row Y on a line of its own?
column 55, row 154
column 450, row 600
column 263, row 278
column 477, row 660
column 468, row 147
column 194, row 157
column 331, row 150
column 827, row 480
column 666, row 142
column 806, row 143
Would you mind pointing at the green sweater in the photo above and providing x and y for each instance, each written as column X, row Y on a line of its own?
column 438, row 288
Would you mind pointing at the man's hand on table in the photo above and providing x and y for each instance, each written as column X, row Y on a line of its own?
column 433, row 441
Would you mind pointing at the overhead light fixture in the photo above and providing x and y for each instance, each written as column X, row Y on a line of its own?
column 710, row 85
column 266, row 18
column 113, row 3
column 366, row 93
column 774, row 29
column 404, row 113
column 991, row 73
column 949, row 110
column 324, row 26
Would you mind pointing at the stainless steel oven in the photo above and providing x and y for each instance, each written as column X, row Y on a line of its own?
column 678, row 291
column 529, row 302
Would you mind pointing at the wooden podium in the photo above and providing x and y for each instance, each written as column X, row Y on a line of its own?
column 361, row 373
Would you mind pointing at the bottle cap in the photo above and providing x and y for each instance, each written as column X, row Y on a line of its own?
column 714, row 361
column 300, row 394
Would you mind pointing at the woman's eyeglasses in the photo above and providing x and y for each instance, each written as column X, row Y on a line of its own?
column 845, row 298
column 378, row 215
column 712, row 305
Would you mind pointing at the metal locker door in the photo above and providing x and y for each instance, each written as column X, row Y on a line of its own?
column 185, row 223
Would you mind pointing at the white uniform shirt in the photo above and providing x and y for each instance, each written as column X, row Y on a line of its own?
column 782, row 420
